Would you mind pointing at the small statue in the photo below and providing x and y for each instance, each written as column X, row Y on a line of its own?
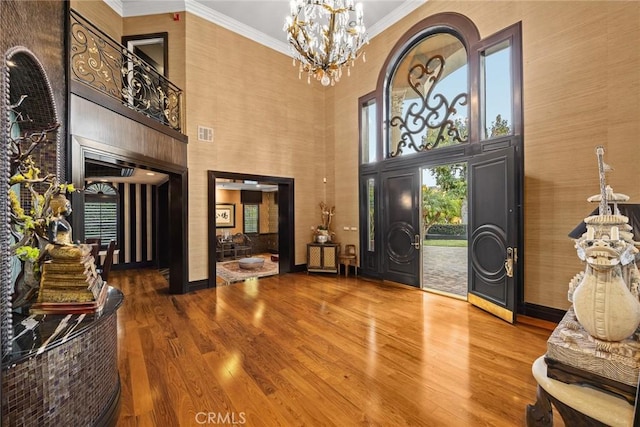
column 59, row 227
column 324, row 228
column 59, row 234
column 326, row 215
column 69, row 274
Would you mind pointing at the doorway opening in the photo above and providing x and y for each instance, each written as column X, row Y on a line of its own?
column 148, row 197
column 130, row 206
column 444, row 211
column 250, row 216
column 246, row 224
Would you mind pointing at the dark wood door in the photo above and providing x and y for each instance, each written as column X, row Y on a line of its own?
column 493, row 225
column 401, row 222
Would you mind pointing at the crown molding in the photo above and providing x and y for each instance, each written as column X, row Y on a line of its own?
column 397, row 14
column 145, row 7
column 116, row 5
column 231, row 24
column 141, row 8
column 127, row 8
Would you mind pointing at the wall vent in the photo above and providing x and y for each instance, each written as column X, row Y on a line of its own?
column 205, row 134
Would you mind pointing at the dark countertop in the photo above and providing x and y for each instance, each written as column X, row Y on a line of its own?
column 38, row 333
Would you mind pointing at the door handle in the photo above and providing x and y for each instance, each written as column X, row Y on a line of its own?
column 416, row 241
column 512, row 256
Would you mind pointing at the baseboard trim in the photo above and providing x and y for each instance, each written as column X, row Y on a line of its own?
column 299, row 268
column 542, row 312
column 196, row 285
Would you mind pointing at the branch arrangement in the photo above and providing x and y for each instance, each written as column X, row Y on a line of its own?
column 29, row 228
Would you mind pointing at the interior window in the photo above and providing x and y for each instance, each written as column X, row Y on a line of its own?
column 101, row 212
column 427, row 98
column 251, row 218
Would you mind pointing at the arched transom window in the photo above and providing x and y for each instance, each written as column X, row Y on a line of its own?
column 428, row 96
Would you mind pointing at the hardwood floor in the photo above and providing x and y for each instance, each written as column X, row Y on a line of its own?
column 315, row 350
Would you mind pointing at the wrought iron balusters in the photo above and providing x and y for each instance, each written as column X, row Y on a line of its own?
column 105, row 65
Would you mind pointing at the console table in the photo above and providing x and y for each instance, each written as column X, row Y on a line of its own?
column 322, row 257
column 578, row 405
column 63, row 370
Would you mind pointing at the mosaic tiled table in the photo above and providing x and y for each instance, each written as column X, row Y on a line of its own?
column 63, row 370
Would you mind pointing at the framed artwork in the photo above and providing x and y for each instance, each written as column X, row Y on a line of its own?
column 225, row 215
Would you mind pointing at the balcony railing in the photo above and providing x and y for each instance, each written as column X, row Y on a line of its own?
column 105, row 65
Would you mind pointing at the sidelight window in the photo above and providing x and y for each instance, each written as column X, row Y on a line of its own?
column 371, row 210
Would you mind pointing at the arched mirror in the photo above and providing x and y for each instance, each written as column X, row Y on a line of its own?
column 29, row 166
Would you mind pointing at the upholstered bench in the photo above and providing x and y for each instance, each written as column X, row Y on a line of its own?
column 251, row 263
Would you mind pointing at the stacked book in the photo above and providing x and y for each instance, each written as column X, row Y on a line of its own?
column 70, row 285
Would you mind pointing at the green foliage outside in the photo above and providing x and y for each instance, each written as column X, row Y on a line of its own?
column 449, row 229
column 442, row 204
column 499, row 127
column 451, row 179
column 439, row 206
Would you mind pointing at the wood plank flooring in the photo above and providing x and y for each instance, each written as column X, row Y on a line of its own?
column 318, row 350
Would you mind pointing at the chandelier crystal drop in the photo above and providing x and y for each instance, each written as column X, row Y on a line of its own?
column 325, row 35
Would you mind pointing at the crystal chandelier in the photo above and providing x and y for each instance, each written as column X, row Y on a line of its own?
column 325, row 35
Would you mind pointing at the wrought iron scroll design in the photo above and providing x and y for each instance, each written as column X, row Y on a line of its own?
column 429, row 111
column 103, row 64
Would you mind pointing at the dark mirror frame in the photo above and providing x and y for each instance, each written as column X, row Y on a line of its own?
column 147, row 39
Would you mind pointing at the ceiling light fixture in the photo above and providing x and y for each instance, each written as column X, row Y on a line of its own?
column 325, row 35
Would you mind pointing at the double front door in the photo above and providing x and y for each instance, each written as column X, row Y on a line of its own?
column 493, row 222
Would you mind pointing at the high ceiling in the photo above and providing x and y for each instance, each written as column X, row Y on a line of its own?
column 262, row 20
column 259, row 20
